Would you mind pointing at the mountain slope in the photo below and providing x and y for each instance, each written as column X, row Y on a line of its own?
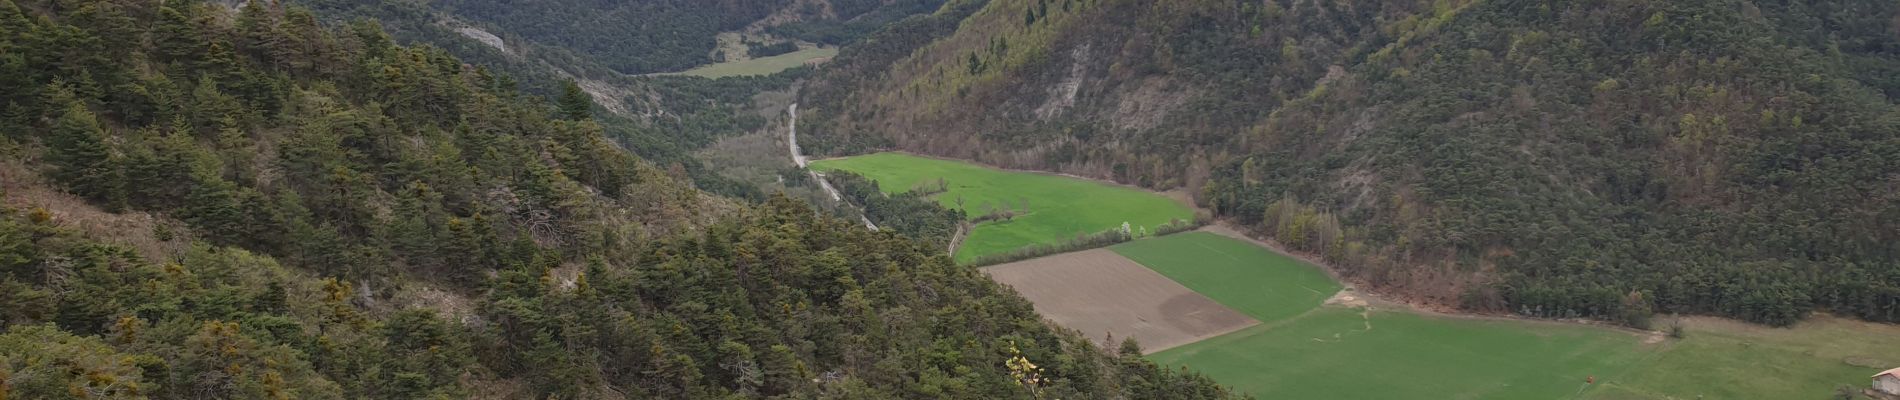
column 1600, row 159
column 262, row 207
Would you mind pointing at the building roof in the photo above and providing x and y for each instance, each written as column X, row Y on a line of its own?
column 1895, row 372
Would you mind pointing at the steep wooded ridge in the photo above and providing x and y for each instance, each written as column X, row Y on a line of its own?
column 1605, row 159
column 201, row 203
column 660, row 118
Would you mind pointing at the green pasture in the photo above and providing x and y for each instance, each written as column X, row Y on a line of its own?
column 1718, row 359
column 1059, row 207
column 762, row 65
column 1345, row 353
column 1264, row 285
column 1305, row 351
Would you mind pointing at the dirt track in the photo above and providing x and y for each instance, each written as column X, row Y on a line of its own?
column 1099, row 292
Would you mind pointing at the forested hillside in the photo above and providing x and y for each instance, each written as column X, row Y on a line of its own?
column 208, row 203
column 1604, row 159
column 662, row 119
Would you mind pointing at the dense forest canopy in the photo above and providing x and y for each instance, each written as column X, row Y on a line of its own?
column 1603, row 159
column 213, row 203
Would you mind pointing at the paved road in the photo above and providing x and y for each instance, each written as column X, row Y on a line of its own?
column 798, row 157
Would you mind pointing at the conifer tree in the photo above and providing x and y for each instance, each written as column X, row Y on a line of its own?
column 83, row 162
column 575, row 103
column 213, row 209
column 176, row 37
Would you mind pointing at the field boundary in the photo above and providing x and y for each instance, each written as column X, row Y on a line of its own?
column 1107, row 296
column 1087, row 242
column 1376, row 299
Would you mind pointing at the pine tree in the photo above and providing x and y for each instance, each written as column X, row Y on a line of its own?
column 210, row 108
column 156, row 166
column 116, row 32
column 220, row 63
column 77, row 149
column 13, row 23
column 214, row 210
column 463, row 254
column 575, row 103
column 304, row 46
column 176, row 36
column 413, row 234
column 259, row 32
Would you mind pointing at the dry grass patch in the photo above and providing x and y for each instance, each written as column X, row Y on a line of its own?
column 25, row 190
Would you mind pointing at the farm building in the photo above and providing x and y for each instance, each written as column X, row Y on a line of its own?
column 1886, row 384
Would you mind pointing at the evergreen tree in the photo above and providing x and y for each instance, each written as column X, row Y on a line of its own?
column 214, row 210
column 575, row 103
column 211, row 110
column 176, row 36
column 82, row 161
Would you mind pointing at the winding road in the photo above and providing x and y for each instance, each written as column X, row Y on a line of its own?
column 798, row 157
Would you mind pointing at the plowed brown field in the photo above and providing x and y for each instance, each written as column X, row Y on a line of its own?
column 1099, row 293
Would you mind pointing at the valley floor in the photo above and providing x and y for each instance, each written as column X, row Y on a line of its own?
column 1306, row 335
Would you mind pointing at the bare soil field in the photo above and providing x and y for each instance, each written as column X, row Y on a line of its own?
column 1101, row 293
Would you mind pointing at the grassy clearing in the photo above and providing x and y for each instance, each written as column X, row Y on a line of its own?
column 1305, row 351
column 1258, row 282
column 1721, row 359
column 1349, row 354
column 761, row 66
column 1059, row 207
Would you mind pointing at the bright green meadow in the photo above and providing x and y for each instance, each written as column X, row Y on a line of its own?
column 1059, row 207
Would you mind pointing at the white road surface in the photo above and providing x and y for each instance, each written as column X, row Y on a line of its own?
column 798, row 157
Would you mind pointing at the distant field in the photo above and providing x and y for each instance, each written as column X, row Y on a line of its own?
column 761, row 66
column 1344, row 353
column 1060, row 207
column 1305, row 351
column 1721, row 359
column 1260, row 283
column 1103, row 294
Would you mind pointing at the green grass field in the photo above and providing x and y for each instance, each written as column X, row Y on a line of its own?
column 1719, row 359
column 1247, row 278
column 1346, row 353
column 761, row 66
column 1303, row 350
column 1060, row 207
